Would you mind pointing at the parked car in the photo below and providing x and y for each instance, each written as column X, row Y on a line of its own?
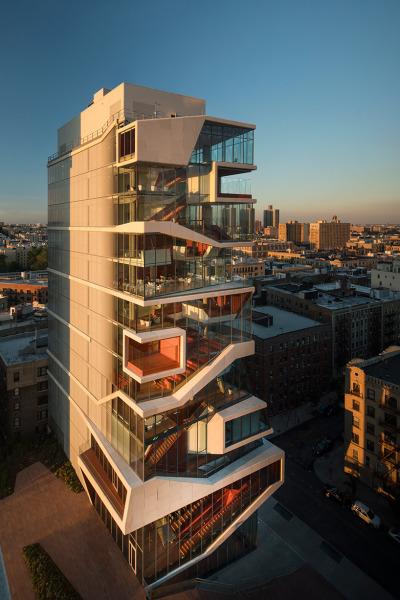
column 335, row 494
column 322, row 446
column 394, row 534
column 331, row 410
column 366, row 514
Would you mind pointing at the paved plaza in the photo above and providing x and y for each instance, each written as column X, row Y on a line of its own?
column 42, row 509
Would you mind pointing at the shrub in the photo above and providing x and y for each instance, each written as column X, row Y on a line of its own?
column 67, row 473
column 48, row 581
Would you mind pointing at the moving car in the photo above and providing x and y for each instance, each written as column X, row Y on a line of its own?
column 366, row 514
column 322, row 446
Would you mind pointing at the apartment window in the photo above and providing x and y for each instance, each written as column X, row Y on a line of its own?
column 356, row 422
column 367, row 461
column 356, row 405
column 370, row 446
column 355, row 438
column 127, row 143
column 370, row 428
column 41, row 371
column 355, row 455
column 390, row 420
column 356, row 387
column 41, row 385
column 16, row 406
column 16, row 376
column 371, row 394
column 16, row 392
column 17, row 422
column 42, row 400
column 370, row 411
column 41, row 415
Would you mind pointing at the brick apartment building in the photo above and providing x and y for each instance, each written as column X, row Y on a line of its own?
column 23, row 384
column 292, row 361
column 21, row 291
column 361, row 325
column 372, row 421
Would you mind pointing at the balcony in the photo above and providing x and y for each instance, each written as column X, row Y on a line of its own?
column 234, row 188
column 88, row 455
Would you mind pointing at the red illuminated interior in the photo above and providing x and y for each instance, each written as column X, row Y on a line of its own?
column 153, row 357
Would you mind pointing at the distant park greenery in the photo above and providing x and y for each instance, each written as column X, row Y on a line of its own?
column 48, row 581
column 37, row 259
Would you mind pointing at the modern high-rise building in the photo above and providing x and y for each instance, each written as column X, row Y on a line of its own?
column 148, row 393
column 271, row 217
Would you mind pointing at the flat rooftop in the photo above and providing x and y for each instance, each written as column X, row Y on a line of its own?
column 388, row 369
column 325, row 299
column 283, row 322
column 11, row 345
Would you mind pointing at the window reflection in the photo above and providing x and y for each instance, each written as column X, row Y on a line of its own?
column 222, row 143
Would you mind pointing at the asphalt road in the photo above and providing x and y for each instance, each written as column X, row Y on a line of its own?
column 371, row 550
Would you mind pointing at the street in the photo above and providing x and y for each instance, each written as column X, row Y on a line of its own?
column 371, row 550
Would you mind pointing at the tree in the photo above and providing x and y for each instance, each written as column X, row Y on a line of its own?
column 37, row 259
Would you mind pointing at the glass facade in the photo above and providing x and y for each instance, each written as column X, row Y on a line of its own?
column 177, row 538
column 172, row 541
column 239, row 543
column 246, row 426
column 223, row 143
column 184, row 196
column 174, row 442
column 211, row 324
column 152, row 265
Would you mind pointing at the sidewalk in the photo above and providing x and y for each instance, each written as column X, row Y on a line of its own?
column 300, row 414
column 286, row 545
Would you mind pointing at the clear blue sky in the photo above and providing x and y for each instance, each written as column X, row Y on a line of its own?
column 319, row 78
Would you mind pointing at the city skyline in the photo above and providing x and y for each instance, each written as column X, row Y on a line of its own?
column 318, row 80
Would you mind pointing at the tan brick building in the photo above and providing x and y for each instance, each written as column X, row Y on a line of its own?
column 293, row 231
column 372, row 421
column 325, row 235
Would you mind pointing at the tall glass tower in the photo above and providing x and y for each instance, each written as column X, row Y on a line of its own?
column 148, row 329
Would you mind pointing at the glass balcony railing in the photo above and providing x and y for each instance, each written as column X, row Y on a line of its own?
column 235, row 187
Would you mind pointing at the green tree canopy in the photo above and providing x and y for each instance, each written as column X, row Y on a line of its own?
column 37, row 259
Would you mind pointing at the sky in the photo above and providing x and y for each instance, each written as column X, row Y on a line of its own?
column 319, row 78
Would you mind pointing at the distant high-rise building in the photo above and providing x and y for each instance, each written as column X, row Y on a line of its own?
column 257, row 226
column 325, row 235
column 294, row 231
column 148, row 329
column 271, row 217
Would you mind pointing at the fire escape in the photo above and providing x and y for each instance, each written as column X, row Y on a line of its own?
column 389, row 442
